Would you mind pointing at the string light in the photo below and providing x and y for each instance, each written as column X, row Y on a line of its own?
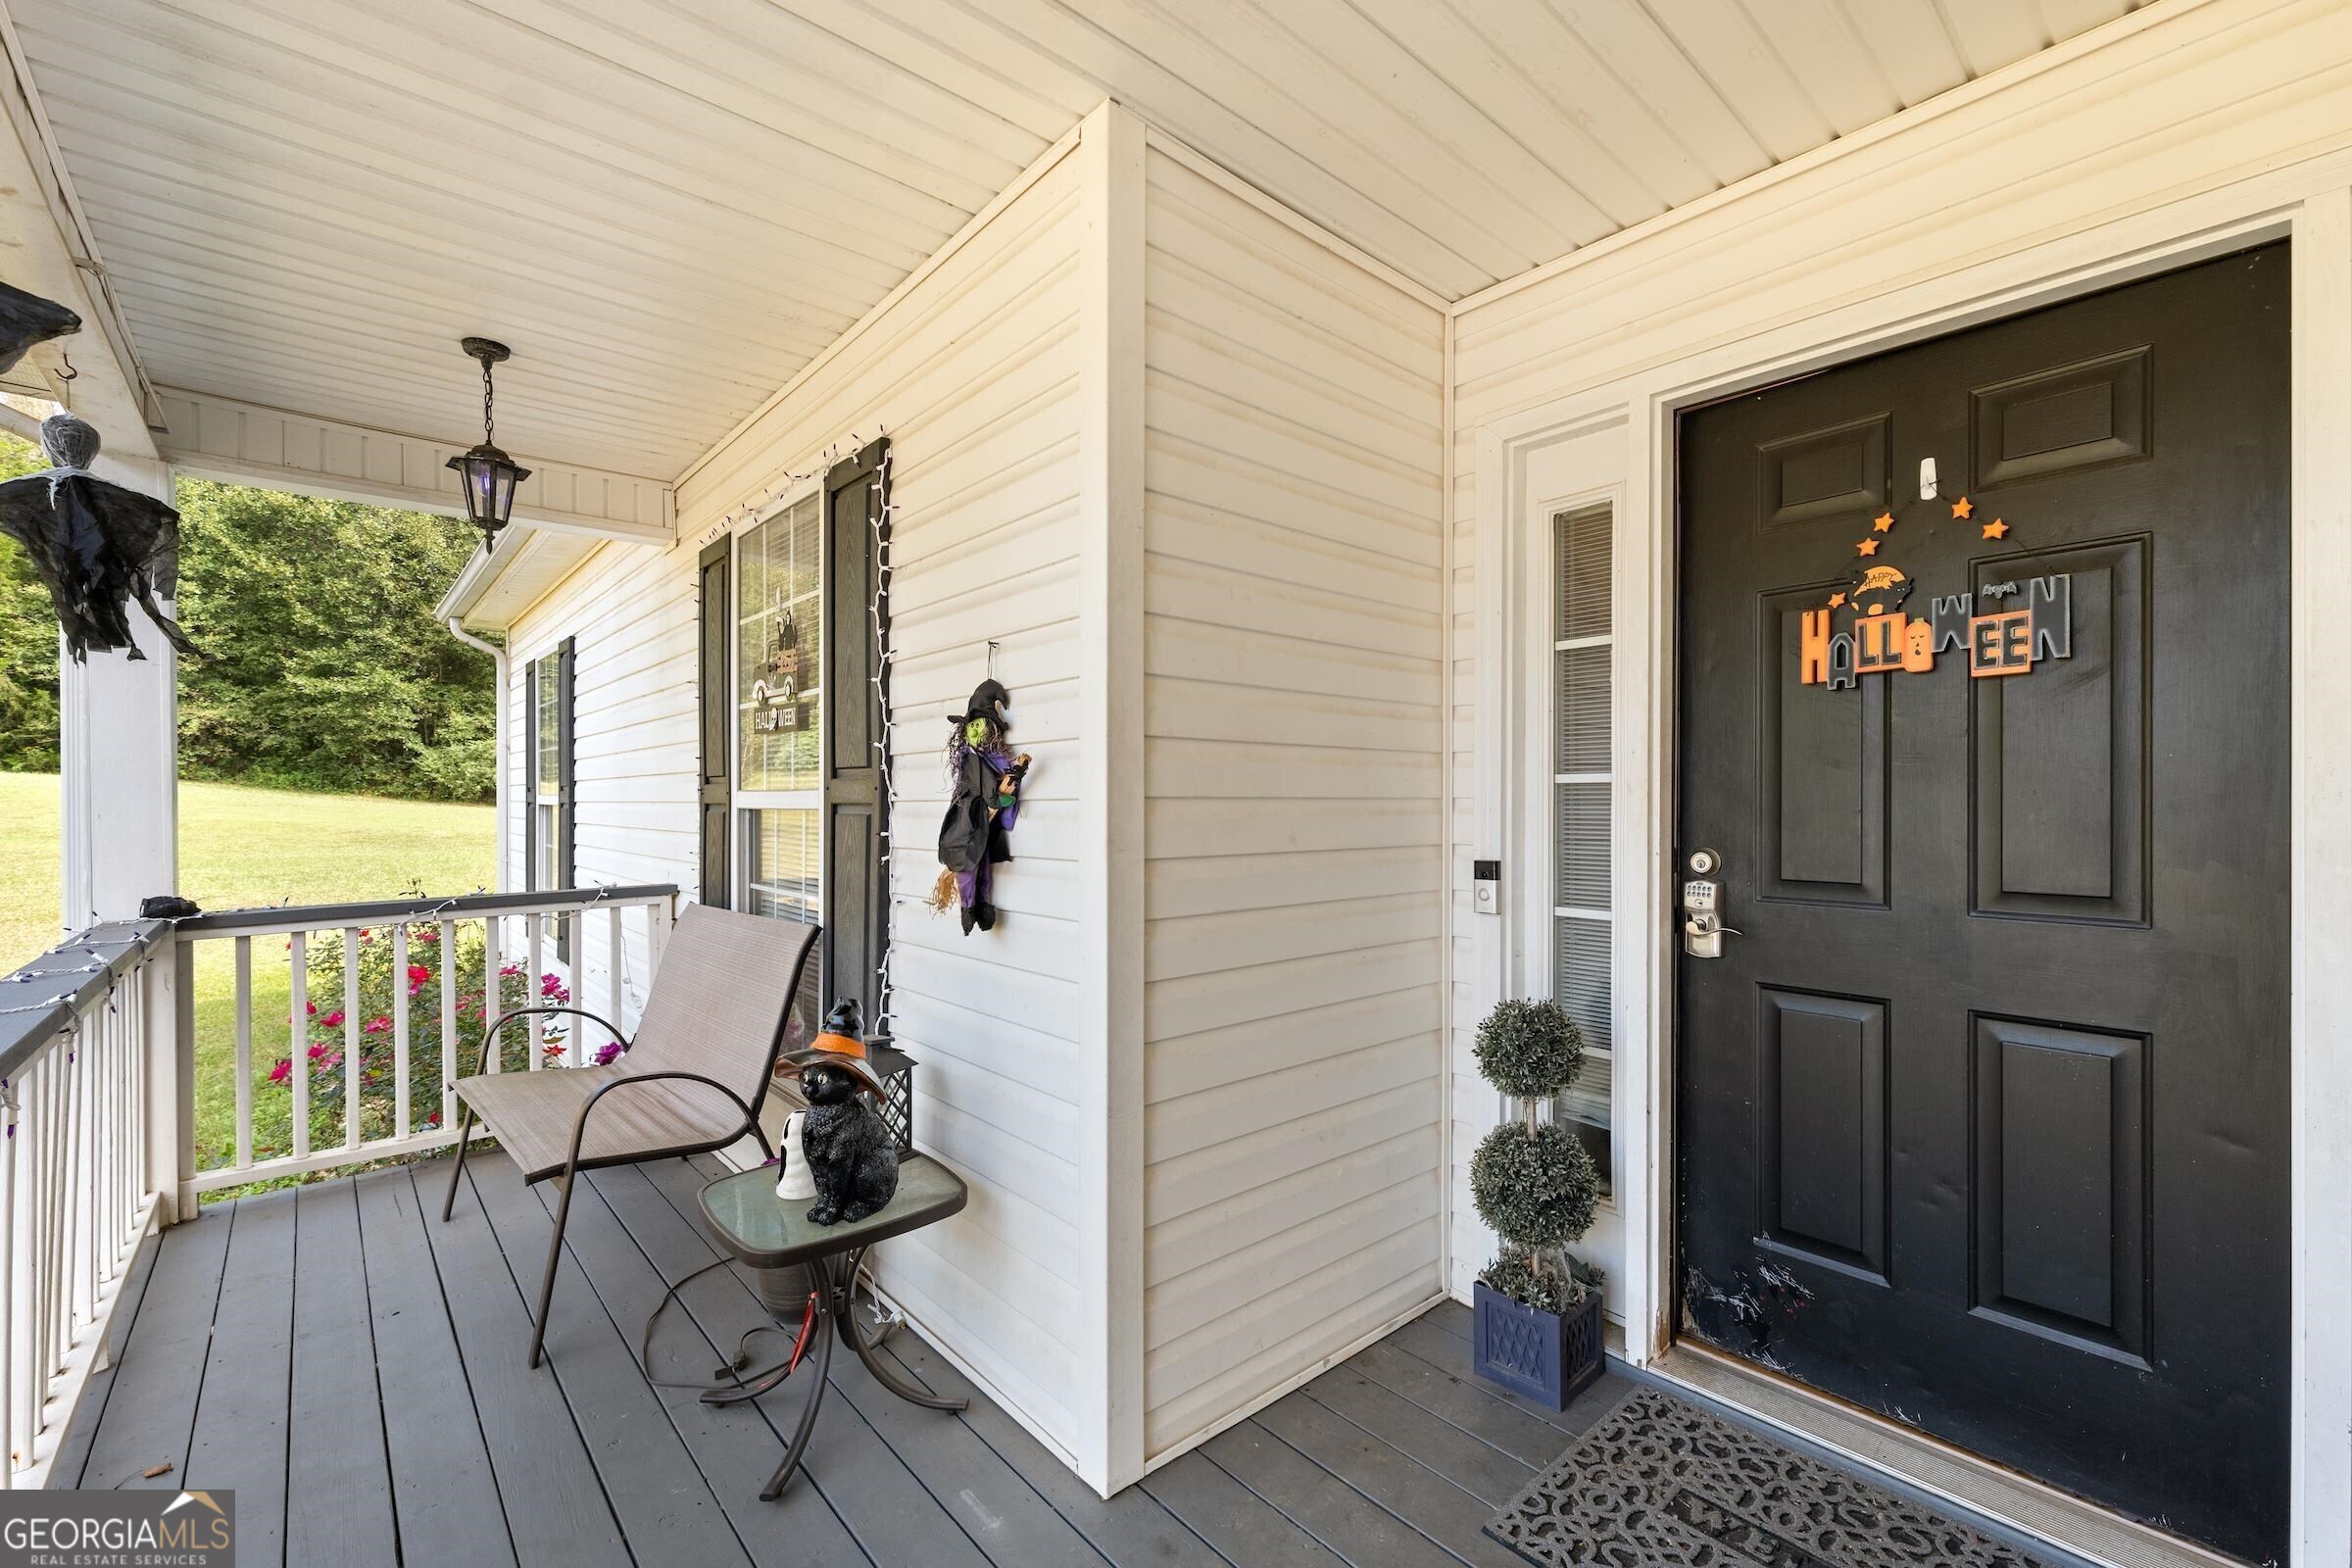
column 878, row 513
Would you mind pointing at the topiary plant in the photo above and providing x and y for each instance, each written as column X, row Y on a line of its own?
column 1533, row 1182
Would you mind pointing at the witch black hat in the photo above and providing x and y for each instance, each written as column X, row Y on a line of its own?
column 988, row 699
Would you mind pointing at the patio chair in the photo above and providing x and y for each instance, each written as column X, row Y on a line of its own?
column 733, row 990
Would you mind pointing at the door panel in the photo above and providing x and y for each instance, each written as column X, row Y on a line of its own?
column 1983, row 1120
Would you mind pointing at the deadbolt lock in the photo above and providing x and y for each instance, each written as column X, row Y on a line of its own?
column 1703, row 929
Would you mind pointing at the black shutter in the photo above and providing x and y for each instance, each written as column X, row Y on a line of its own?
column 530, row 775
column 856, row 893
column 717, row 631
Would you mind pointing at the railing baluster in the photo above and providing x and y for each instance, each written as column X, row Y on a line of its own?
column 450, row 1044
column 351, row 1037
column 400, row 1029
column 533, row 968
column 245, row 1051
column 616, row 949
column 298, row 1049
column 494, row 990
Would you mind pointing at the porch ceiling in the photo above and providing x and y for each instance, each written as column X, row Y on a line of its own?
column 667, row 208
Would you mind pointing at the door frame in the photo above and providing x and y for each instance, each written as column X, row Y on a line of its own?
column 2312, row 207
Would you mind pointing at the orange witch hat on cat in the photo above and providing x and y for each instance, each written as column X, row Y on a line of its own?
column 841, row 1045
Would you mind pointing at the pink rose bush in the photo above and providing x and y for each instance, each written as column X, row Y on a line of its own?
column 328, row 1058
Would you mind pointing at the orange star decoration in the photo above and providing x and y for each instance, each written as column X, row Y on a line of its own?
column 1867, row 547
column 1997, row 529
column 1837, row 599
column 1962, row 508
column 1882, row 522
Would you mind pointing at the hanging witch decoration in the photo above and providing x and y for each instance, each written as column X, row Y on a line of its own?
column 96, row 546
column 986, row 777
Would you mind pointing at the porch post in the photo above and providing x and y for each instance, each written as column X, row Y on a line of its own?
column 119, row 754
column 119, row 720
column 1110, row 800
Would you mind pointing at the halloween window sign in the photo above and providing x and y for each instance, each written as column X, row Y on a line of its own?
column 985, row 775
column 2002, row 628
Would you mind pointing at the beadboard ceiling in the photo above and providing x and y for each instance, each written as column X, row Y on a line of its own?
column 667, row 207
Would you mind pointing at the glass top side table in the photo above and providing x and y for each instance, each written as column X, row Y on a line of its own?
column 774, row 1237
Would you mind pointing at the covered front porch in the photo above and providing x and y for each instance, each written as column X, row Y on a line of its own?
column 1284, row 405
column 351, row 1366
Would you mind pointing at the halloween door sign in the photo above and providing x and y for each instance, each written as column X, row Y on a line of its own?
column 2003, row 628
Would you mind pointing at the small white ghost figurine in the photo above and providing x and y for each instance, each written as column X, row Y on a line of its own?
column 799, row 1182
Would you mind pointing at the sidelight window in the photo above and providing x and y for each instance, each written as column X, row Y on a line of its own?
column 1580, row 815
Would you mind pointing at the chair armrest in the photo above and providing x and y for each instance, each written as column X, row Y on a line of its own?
column 579, row 1127
column 482, row 1058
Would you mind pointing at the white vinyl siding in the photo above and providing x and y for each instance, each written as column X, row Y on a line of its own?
column 973, row 375
column 1294, row 416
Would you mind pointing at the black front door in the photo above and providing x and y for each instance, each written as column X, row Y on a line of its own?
column 1982, row 1115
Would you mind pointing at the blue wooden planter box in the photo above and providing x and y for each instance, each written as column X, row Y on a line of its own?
column 1545, row 1356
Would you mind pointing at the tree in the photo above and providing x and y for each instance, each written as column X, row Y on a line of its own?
column 323, row 668
column 28, row 642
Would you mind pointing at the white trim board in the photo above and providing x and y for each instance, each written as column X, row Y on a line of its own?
column 2319, row 222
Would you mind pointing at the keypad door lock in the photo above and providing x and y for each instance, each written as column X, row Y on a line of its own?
column 1703, row 929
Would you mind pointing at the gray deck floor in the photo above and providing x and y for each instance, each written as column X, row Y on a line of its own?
column 356, row 1374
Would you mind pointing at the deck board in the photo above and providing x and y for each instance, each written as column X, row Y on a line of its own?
column 354, row 1368
column 443, row 1493
column 243, row 1411
column 338, row 1479
column 150, row 1407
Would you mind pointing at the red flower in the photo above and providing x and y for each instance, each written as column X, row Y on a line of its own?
column 317, row 1053
column 334, row 1020
column 282, row 1071
column 377, row 1025
column 313, row 1007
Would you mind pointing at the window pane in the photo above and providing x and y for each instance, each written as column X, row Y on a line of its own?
column 1582, row 843
column 778, row 651
column 784, row 865
column 1581, row 541
column 545, row 718
column 1584, row 715
column 1580, row 975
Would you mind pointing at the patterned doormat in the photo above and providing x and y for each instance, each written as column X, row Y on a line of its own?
column 1660, row 1482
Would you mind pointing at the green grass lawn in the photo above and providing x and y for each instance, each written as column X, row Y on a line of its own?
column 240, row 848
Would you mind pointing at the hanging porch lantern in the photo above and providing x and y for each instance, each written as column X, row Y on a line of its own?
column 486, row 474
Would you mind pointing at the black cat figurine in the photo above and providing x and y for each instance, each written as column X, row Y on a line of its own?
column 850, row 1149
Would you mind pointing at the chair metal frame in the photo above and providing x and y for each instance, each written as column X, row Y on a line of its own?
column 573, row 1166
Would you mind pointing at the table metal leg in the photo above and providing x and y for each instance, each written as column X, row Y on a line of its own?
column 822, row 1369
column 846, row 1325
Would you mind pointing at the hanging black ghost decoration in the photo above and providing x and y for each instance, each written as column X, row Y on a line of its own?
column 985, row 778
column 96, row 546
column 26, row 320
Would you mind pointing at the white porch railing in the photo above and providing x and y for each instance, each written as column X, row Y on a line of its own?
column 76, row 1198
column 383, row 1009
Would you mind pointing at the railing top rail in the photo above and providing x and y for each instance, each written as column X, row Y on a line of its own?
column 321, row 917
column 43, row 997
